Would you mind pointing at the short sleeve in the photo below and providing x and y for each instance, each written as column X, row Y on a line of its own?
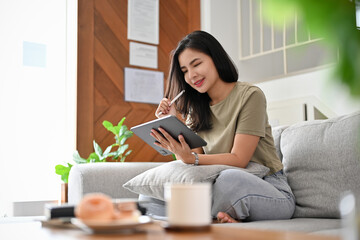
column 252, row 117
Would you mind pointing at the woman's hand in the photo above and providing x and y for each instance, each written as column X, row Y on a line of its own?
column 181, row 149
column 164, row 108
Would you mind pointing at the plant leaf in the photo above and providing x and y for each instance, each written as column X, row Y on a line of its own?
column 125, row 136
column 116, row 130
column 107, row 151
column 123, row 129
column 60, row 169
column 109, row 126
column 93, row 157
column 121, row 122
column 122, row 149
column 114, row 144
column 128, row 153
column 63, row 171
column 117, row 140
column 111, row 154
column 97, row 149
column 78, row 159
column 125, row 155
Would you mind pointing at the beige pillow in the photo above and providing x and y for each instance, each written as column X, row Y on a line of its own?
column 151, row 182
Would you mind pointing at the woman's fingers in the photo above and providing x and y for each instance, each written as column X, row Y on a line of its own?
column 163, row 108
column 165, row 140
column 157, row 136
column 161, row 141
column 167, row 135
column 183, row 143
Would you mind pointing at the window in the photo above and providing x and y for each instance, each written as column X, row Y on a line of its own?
column 37, row 97
column 269, row 52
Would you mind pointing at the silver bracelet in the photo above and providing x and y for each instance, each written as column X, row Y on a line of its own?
column 196, row 158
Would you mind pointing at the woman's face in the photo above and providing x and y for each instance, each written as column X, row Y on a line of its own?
column 199, row 70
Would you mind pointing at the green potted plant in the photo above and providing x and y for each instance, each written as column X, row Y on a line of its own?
column 117, row 151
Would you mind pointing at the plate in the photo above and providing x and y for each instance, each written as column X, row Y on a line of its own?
column 97, row 226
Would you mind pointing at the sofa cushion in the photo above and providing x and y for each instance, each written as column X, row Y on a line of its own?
column 321, row 160
column 151, row 183
column 308, row 225
column 104, row 177
column 276, row 132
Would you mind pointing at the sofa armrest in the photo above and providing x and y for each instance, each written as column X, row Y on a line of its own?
column 107, row 178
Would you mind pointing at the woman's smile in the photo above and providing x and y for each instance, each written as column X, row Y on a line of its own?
column 199, row 83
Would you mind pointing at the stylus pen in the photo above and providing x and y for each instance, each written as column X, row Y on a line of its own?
column 172, row 101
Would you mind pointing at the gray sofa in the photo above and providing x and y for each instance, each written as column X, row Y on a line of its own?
column 321, row 160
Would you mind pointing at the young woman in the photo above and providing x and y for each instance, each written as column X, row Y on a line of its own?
column 231, row 117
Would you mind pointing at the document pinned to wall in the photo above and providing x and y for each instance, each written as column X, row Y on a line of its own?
column 143, row 21
column 143, row 55
column 143, row 86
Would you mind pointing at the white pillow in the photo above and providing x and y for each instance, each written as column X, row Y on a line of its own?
column 151, row 182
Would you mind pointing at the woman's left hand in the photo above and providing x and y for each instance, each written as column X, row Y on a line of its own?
column 180, row 149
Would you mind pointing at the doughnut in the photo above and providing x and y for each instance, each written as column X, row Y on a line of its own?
column 126, row 210
column 95, row 206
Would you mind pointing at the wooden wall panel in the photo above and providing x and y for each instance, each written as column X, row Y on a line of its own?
column 103, row 53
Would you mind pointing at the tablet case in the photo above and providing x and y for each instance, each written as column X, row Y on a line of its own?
column 174, row 127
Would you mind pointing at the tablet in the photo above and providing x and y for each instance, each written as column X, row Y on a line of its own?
column 174, row 127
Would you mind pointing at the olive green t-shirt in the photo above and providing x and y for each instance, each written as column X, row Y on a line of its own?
column 242, row 111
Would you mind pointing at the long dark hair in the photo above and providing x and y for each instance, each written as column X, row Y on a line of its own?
column 193, row 104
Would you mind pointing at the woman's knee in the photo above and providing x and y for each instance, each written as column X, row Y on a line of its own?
column 233, row 180
column 229, row 186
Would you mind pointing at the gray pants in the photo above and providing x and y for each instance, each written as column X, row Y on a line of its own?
column 243, row 196
column 246, row 197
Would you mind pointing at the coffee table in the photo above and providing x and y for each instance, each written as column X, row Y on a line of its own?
column 153, row 231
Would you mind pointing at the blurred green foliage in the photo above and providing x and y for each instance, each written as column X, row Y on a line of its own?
column 121, row 134
column 335, row 20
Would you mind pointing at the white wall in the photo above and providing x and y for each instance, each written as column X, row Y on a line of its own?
column 319, row 84
column 37, row 104
column 220, row 18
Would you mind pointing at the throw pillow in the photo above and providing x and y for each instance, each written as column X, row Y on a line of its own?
column 322, row 161
column 276, row 132
column 151, row 182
